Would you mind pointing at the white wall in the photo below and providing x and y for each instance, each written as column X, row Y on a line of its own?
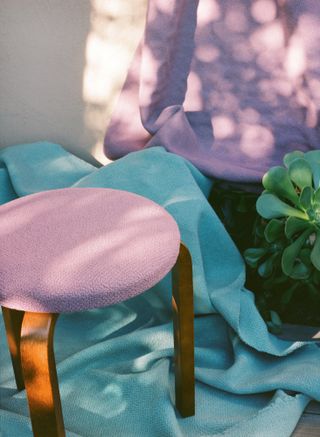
column 62, row 64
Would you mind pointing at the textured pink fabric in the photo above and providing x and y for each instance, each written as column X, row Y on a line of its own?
column 80, row 248
column 231, row 85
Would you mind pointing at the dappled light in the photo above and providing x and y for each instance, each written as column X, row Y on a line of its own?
column 114, row 395
column 264, row 11
column 269, row 37
column 250, row 68
column 235, row 18
column 208, row 11
column 145, row 363
column 223, row 127
column 195, row 87
column 86, row 256
column 256, row 141
column 22, row 217
column 295, row 61
column 100, row 230
column 149, row 61
column 116, row 28
column 251, row 79
column 207, row 53
column 109, row 401
column 97, row 88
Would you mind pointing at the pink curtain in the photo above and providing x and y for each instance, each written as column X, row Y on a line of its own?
column 231, row 85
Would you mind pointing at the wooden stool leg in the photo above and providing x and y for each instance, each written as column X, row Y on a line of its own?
column 183, row 316
column 12, row 322
column 40, row 375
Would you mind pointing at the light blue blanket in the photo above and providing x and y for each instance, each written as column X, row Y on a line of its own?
column 115, row 363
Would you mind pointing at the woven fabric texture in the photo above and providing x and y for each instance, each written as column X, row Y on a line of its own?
column 81, row 248
column 115, row 363
column 230, row 85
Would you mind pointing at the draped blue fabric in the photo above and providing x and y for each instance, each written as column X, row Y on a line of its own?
column 115, row 364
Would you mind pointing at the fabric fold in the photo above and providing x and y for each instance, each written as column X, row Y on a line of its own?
column 122, row 354
column 230, row 86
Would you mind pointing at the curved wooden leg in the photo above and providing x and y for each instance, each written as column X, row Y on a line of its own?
column 183, row 317
column 40, row 375
column 12, row 322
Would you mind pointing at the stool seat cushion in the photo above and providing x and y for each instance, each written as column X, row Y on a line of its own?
column 80, row 248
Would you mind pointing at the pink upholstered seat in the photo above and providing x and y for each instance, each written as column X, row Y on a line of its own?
column 80, row 248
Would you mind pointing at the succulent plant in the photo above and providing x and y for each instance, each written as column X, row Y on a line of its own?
column 291, row 206
column 287, row 247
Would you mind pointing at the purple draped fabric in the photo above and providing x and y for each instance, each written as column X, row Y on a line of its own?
column 231, row 85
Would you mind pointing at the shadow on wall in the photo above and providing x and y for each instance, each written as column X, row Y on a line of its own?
column 62, row 64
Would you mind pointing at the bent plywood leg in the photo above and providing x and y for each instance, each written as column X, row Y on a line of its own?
column 183, row 317
column 40, row 375
column 12, row 322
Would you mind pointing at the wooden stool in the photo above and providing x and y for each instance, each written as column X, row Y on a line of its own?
column 81, row 248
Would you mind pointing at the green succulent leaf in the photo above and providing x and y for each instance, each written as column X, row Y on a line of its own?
column 304, row 256
column 306, row 197
column 300, row 271
column 316, row 198
column 289, row 157
column 300, row 173
column 275, row 324
column 266, row 268
column 294, row 225
column 274, row 230
column 313, row 158
column 270, row 206
column 290, row 254
column 277, row 181
column 315, row 253
column 253, row 255
column 275, row 318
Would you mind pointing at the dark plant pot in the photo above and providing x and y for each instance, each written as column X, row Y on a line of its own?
column 300, row 333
